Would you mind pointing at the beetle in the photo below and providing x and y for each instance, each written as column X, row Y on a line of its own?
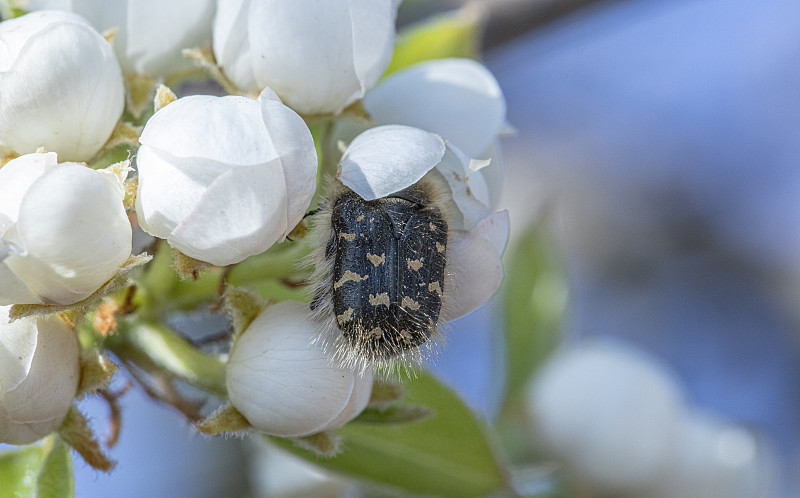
column 380, row 271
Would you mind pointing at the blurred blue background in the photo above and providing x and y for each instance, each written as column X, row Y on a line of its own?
column 666, row 138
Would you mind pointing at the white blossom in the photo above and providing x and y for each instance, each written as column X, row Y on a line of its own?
column 386, row 159
column 63, row 230
column 319, row 57
column 458, row 99
column 592, row 400
column 284, row 383
column 224, row 178
column 150, row 33
column 39, row 373
column 598, row 400
column 714, row 457
column 61, row 86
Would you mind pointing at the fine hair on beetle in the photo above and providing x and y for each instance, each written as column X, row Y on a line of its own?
column 380, row 273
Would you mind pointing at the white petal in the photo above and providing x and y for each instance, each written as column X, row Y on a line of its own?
column 13, row 290
column 74, row 228
column 281, row 382
column 469, row 189
column 38, row 405
column 387, row 159
column 17, row 344
column 14, row 34
column 474, row 266
column 494, row 174
column 151, row 33
column 169, row 188
column 101, row 14
column 268, row 94
column 158, row 31
column 15, row 179
column 293, row 144
column 228, row 130
column 362, row 390
column 231, row 44
column 63, row 92
column 241, row 214
column 373, row 39
column 317, row 76
column 458, row 99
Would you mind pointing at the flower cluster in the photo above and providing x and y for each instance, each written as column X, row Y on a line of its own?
column 219, row 179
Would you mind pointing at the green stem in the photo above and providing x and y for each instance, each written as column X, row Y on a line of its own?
column 160, row 292
column 145, row 342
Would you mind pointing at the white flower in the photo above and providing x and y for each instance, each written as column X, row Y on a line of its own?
column 619, row 421
column 63, row 230
column 284, row 383
column 458, row 99
column 61, row 86
column 39, row 372
column 714, row 457
column 319, row 57
column 151, row 33
column 386, row 159
column 596, row 401
column 224, row 178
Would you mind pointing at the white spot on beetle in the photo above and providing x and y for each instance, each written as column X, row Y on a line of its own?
column 414, row 264
column 375, row 259
column 349, row 277
column 382, row 298
column 409, row 303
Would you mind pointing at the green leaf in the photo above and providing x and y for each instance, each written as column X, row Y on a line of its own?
column 56, row 479
column 453, row 34
column 445, row 454
column 395, row 414
column 9, row 9
column 534, row 297
column 534, row 300
column 18, row 471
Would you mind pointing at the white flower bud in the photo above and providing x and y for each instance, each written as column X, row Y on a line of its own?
column 319, row 57
column 610, row 414
column 61, row 86
column 283, row 382
column 151, row 33
column 224, row 178
column 39, row 373
column 63, row 230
